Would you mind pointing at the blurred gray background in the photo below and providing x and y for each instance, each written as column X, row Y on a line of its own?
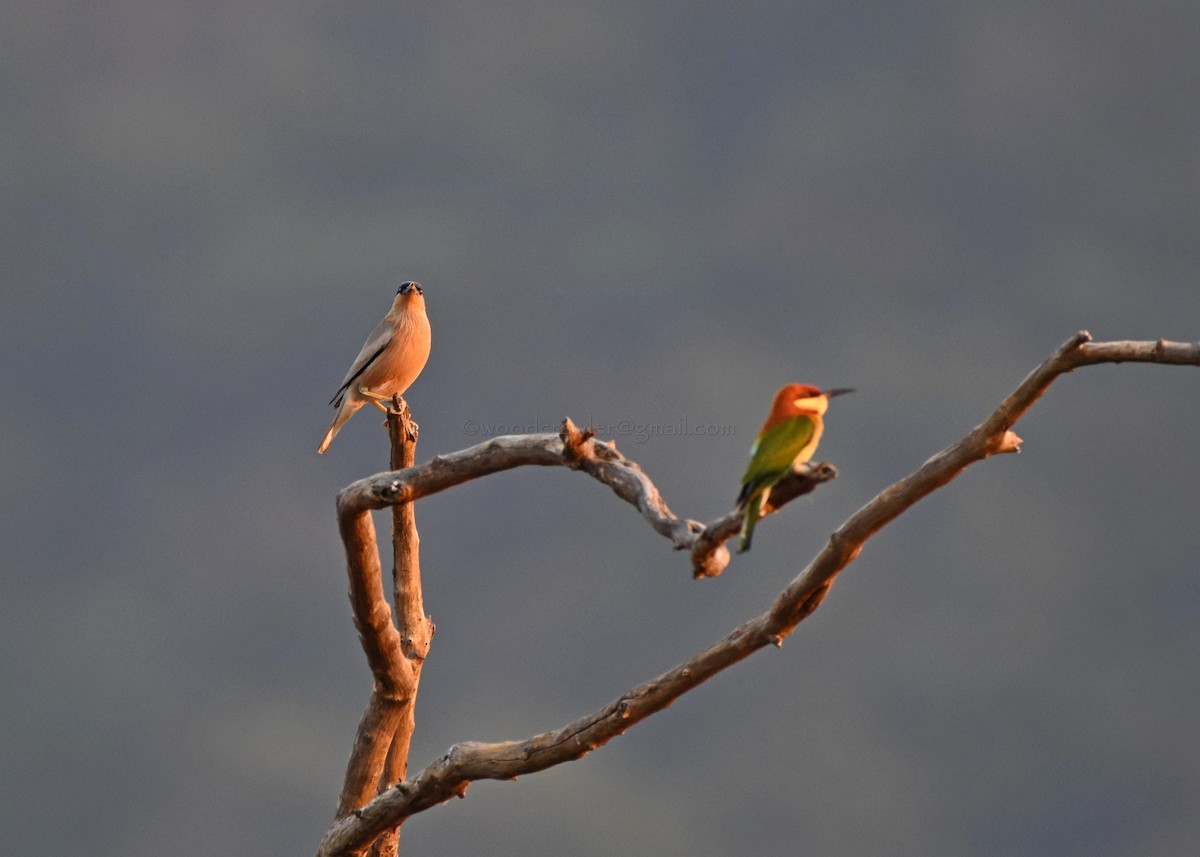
column 640, row 215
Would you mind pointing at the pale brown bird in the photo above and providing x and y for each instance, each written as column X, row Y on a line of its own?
column 391, row 359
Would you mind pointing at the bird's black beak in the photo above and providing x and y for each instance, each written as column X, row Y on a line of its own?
column 840, row 391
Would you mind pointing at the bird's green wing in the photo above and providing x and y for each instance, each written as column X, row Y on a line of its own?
column 775, row 450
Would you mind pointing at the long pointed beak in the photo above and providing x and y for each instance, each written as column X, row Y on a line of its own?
column 840, row 391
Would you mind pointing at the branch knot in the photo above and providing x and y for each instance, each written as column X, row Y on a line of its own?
column 574, row 441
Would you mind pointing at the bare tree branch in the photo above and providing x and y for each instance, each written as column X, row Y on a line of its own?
column 416, row 629
column 395, row 655
column 578, row 449
column 466, row 762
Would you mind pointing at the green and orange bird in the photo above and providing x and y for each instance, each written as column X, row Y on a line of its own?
column 788, row 437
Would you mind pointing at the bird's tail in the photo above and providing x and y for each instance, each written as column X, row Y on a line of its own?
column 753, row 512
column 345, row 412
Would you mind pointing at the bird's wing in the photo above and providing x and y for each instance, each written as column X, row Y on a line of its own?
column 379, row 339
column 774, row 451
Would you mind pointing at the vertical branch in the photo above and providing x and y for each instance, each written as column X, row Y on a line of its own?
column 376, row 731
column 415, row 628
column 381, row 644
column 395, row 643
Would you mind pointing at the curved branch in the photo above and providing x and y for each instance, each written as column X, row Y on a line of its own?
column 466, row 762
column 572, row 447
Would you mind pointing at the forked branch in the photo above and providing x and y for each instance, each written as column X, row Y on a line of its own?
column 466, row 762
